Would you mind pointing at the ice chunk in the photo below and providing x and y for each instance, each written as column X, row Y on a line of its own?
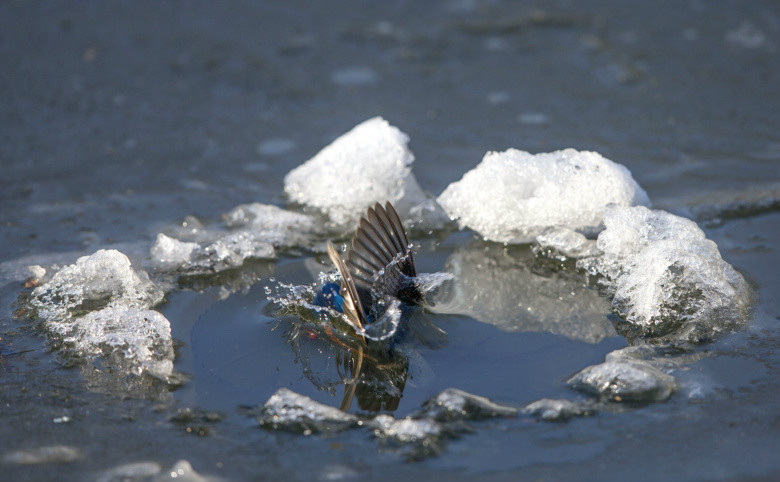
column 405, row 430
column 513, row 196
column 291, row 411
column 666, row 277
column 553, row 410
column 423, row 433
column 498, row 285
column 130, row 472
column 233, row 249
column 182, row 471
column 98, row 307
column 369, row 164
column 625, row 381
column 249, row 231
column 354, row 76
column 36, row 272
column 747, row 36
column 418, row 438
column 168, row 253
column 563, row 243
column 103, row 279
column 453, row 404
column 141, row 338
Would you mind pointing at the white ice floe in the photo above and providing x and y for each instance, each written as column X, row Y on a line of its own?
column 248, row 231
column 369, row 164
column 182, row 471
column 514, row 196
column 666, row 277
column 36, row 272
column 99, row 307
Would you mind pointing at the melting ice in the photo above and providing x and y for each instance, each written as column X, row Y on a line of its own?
column 248, row 231
column 99, row 307
column 666, row 278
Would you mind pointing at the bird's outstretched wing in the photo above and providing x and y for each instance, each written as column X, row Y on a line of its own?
column 353, row 308
column 381, row 253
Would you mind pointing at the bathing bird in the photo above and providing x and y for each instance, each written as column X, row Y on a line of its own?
column 378, row 289
column 379, row 271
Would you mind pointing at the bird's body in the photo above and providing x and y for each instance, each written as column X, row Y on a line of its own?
column 379, row 272
column 378, row 290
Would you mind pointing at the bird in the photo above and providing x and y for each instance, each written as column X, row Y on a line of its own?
column 379, row 272
column 379, row 288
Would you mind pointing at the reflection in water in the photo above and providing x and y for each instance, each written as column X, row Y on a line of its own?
column 374, row 374
column 377, row 383
column 508, row 288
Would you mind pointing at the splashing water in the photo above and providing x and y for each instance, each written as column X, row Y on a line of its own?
column 386, row 311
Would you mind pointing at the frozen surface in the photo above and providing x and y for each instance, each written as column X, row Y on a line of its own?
column 99, row 307
column 514, row 196
column 370, row 163
column 720, row 205
column 499, row 285
column 248, row 231
column 666, row 277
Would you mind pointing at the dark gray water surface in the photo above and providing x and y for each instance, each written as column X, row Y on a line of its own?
column 117, row 119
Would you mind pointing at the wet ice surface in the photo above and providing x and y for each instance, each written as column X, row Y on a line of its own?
column 104, row 148
column 99, row 308
column 490, row 299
